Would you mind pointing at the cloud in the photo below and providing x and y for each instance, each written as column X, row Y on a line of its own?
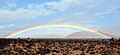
column 107, row 11
column 22, row 13
column 11, row 5
column 64, row 4
column 1, row 27
column 80, row 13
column 7, row 26
column 36, row 10
column 11, row 25
column 77, row 18
column 8, row 4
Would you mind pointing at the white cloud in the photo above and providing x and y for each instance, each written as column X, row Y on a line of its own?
column 107, row 11
column 36, row 10
column 22, row 13
column 11, row 25
column 64, row 4
column 11, row 5
column 1, row 27
column 76, row 18
column 80, row 13
column 6, row 26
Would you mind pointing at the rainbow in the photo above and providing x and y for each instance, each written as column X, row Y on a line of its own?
column 57, row 25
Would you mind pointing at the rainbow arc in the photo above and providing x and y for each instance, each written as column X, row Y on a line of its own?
column 56, row 25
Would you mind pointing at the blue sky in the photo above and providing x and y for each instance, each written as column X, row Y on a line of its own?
column 102, row 15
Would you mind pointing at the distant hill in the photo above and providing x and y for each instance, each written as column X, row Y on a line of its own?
column 84, row 34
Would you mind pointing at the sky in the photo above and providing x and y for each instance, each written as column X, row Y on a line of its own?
column 101, row 15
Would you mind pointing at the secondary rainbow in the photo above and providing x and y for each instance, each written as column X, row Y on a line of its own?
column 57, row 25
